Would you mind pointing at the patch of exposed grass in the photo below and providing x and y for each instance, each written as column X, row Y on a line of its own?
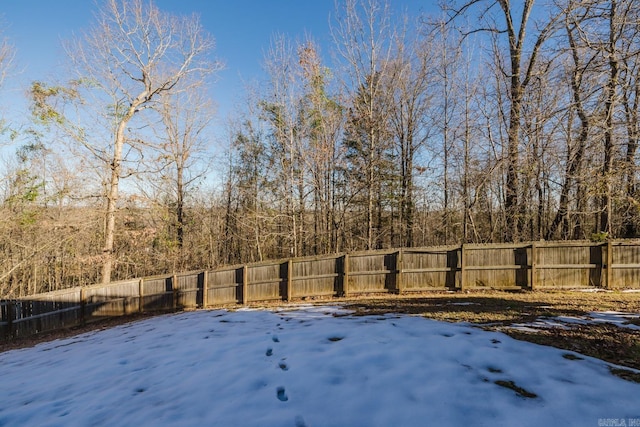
column 519, row 390
column 635, row 321
column 570, row 356
column 500, row 307
column 625, row 374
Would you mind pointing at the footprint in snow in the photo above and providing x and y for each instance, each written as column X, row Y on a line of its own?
column 269, row 352
column 275, row 338
column 281, row 394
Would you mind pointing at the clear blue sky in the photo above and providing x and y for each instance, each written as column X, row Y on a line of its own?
column 242, row 29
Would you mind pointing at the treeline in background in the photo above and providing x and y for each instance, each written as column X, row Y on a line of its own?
column 486, row 122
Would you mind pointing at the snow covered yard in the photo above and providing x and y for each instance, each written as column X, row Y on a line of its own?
column 306, row 367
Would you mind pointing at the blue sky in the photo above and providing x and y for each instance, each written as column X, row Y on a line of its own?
column 242, row 29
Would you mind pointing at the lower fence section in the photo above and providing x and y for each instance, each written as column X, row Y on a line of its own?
column 535, row 265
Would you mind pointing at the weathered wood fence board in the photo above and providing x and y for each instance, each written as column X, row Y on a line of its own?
column 372, row 272
column 266, row 281
column 113, row 299
column 536, row 265
column 225, row 286
column 315, row 277
column 625, row 263
column 41, row 313
column 559, row 268
column 490, row 267
column 430, row 269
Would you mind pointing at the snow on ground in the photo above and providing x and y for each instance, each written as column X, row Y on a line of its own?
column 306, row 367
column 617, row 318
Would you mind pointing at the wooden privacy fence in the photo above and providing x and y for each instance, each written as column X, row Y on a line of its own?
column 537, row 265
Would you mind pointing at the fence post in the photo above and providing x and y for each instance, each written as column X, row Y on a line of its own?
column 463, row 266
column 609, row 270
column 10, row 317
column 534, row 273
column 174, row 283
column 289, row 290
column 399, row 282
column 205, row 288
column 83, row 305
column 245, row 284
column 141, row 295
column 345, row 275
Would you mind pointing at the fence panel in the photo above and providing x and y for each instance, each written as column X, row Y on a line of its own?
column 267, row 281
column 42, row 313
column 315, row 277
column 496, row 266
column 6, row 313
column 112, row 299
column 372, row 272
column 225, row 286
column 625, row 272
column 429, row 268
column 189, row 287
column 567, row 266
column 157, row 293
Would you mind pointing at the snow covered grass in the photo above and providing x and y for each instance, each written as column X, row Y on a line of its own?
column 306, row 367
column 602, row 325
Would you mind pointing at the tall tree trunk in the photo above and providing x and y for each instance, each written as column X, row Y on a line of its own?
column 631, row 109
column 610, row 106
column 575, row 151
column 180, row 206
column 112, row 191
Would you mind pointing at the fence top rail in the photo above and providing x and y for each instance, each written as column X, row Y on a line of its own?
column 431, row 249
column 280, row 261
column 44, row 295
column 626, row 242
column 360, row 254
column 567, row 243
column 168, row 276
column 133, row 281
column 317, row 258
column 264, row 263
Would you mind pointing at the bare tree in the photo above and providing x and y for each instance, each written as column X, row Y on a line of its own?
column 281, row 111
column 7, row 55
column 409, row 77
column 183, row 147
column 363, row 41
column 322, row 116
column 522, row 58
column 631, row 105
column 133, row 54
column 577, row 68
